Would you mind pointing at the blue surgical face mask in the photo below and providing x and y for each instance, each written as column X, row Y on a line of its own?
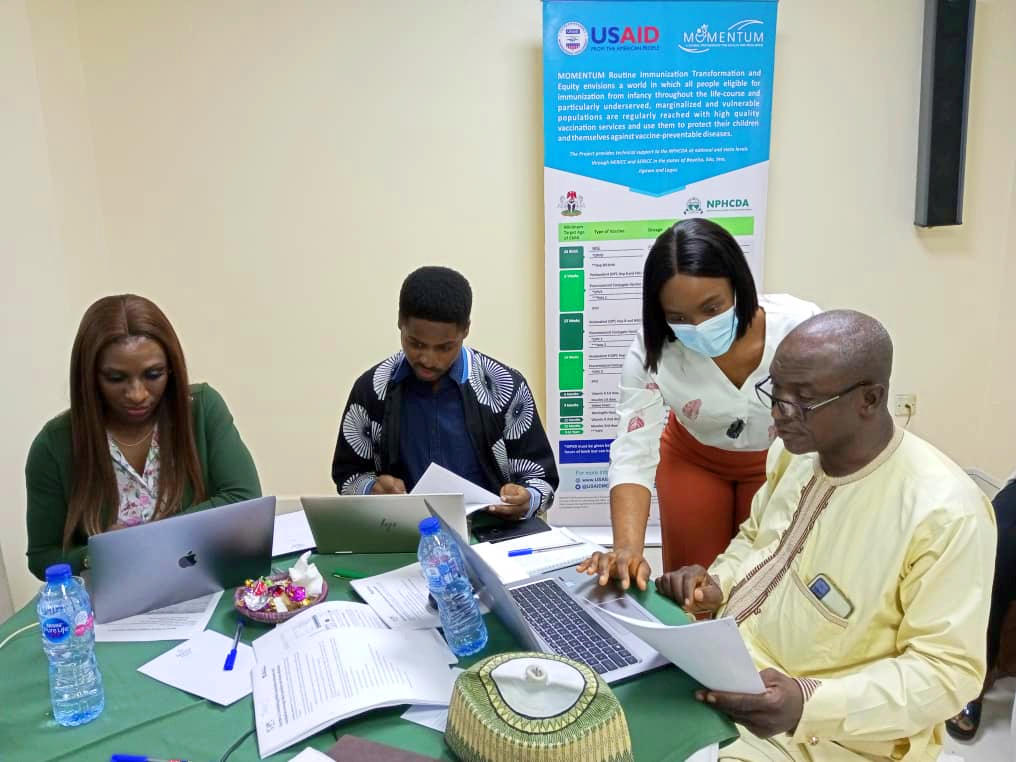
column 711, row 338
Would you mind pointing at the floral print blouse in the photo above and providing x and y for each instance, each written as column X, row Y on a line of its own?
column 139, row 493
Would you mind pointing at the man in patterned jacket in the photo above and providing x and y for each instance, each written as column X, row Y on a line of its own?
column 438, row 401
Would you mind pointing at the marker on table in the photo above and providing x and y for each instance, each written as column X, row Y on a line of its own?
column 140, row 758
column 344, row 574
column 529, row 551
column 231, row 656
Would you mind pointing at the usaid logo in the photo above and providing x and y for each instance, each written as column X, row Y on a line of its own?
column 747, row 33
column 572, row 38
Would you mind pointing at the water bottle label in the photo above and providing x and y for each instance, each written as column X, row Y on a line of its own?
column 56, row 630
column 83, row 622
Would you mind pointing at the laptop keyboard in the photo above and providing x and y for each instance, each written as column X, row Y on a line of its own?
column 563, row 624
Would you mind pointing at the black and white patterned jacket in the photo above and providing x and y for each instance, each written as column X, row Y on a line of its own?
column 501, row 421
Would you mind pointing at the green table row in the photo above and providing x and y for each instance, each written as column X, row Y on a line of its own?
column 144, row 716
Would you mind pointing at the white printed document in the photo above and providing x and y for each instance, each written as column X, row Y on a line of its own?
column 316, row 621
column 292, row 534
column 438, row 480
column 196, row 666
column 711, row 652
column 177, row 622
column 399, row 597
column 342, row 674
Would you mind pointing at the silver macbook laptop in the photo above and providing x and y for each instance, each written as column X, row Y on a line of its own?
column 152, row 565
column 376, row 523
column 560, row 613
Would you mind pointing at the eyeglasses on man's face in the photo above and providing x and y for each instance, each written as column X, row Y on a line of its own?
column 788, row 408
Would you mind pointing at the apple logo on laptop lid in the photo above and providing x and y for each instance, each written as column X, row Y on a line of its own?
column 187, row 560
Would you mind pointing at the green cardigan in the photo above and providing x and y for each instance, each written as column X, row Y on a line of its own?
column 226, row 466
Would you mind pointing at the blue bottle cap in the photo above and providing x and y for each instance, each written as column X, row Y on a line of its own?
column 58, row 573
column 429, row 526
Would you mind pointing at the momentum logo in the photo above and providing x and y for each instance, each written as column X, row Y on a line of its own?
column 746, row 33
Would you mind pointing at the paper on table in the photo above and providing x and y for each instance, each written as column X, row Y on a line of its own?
column 343, row 674
column 312, row 623
column 438, row 480
column 292, row 534
column 711, row 652
column 177, row 622
column 399, row 597
column 523, row 567
column 433, row 717
column 196, row 667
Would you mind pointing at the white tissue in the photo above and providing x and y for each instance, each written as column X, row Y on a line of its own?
column 306, row 575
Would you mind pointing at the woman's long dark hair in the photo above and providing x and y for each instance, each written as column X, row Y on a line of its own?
column 93, row 483
column 693, row 247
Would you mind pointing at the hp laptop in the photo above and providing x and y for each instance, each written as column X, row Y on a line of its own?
column 561, row 613
column 376, row 523
column 152, row 565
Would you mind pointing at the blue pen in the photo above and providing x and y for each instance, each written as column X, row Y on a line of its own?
column 231, row 657
column 140, row 758
column 529, row 551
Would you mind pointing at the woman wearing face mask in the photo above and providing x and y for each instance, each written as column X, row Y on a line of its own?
column 689, row 416
column 138, row 443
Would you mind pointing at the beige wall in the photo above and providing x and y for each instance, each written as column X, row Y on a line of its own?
column 269, row 174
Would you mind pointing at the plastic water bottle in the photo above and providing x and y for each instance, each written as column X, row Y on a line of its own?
column 441, row 562
column 68, row 638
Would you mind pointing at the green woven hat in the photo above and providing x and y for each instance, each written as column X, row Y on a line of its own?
column 535, row 707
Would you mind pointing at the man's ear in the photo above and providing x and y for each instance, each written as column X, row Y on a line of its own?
column 465, row 330
column 876, row 397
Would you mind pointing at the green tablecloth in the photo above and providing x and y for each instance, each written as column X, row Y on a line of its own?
column 144, row 716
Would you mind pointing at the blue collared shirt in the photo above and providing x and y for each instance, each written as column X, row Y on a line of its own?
column 432, row 426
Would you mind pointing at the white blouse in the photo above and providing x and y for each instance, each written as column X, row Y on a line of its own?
column 703, row 399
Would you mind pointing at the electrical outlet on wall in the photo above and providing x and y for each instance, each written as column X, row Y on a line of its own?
column 905, row 405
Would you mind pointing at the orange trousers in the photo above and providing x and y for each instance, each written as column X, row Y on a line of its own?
column 705, row 494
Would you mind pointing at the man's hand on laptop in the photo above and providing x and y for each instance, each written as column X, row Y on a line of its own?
column 388, row 485
column 692, row 588
column 621, row 564
column 778, row 710
column 514, row 503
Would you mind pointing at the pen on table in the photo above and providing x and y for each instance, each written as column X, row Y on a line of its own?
column 528, row 551
column 344, row 574
column 231, row 657
column 140, row 758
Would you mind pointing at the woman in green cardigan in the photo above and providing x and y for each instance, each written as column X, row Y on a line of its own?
column 138, row 443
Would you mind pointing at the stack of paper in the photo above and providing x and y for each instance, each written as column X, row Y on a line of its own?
column 343, row 673
column 512, row 569
column 312, row 623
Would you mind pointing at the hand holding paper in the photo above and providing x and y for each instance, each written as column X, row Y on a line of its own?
column 437, row 480
column 777, row 710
